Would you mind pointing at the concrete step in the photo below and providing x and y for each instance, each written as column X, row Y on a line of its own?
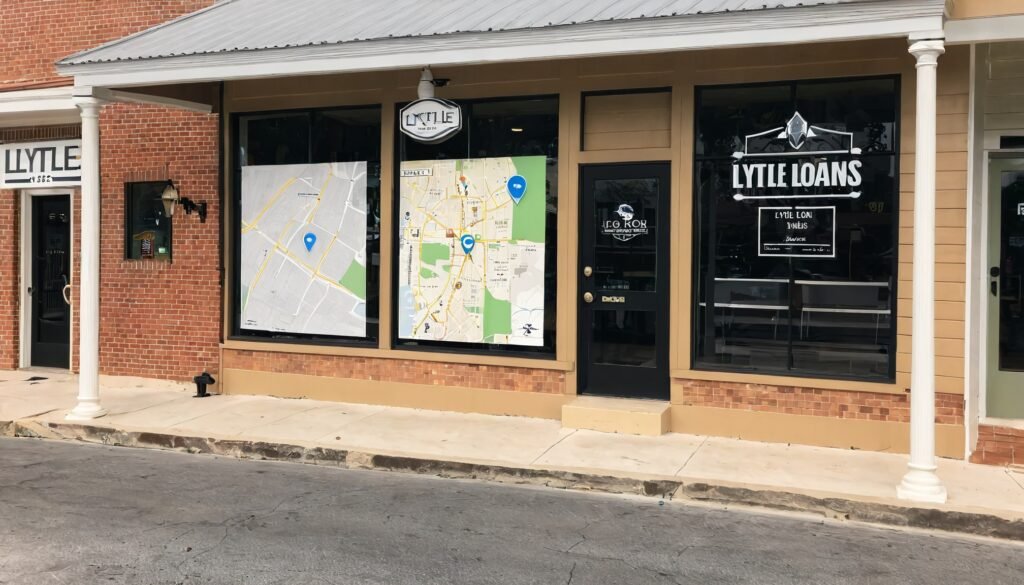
column 618, row 415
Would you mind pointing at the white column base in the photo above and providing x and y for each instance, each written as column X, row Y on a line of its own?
column 86, row 410
column 921, row 484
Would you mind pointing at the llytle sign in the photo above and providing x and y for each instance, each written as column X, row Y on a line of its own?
column 37, row 164
column 430, row 120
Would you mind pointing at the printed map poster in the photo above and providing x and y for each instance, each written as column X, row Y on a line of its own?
column 471, row 250
column 303, row 251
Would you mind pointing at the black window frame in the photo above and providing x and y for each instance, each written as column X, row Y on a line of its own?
column 697, row 251
column 129, row 207
column 371, row 340
column 550, row 244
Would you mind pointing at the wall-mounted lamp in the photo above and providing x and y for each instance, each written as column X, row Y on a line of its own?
column 171, row 198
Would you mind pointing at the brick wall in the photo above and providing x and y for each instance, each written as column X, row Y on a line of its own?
column 812, row 401
column 34, row 34
column 10, row 275
column 400, row 370
column 160, row 319
column 999, row 446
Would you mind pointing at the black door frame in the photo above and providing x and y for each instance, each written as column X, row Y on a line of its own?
column 635, row 382
column 30, row 200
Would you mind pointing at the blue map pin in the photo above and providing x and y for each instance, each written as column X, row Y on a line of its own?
column 468, row 242
column 309, row 240
column 517, row 187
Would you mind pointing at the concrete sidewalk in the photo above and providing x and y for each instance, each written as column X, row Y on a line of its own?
column 857, row 485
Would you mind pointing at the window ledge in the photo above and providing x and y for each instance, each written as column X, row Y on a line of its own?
column 397, row 354
column 816, row 383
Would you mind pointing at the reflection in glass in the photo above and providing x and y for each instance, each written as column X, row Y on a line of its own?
column 624, row 338
column 824, row 316
column 1011, row 296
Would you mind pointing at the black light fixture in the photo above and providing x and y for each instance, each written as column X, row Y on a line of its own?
column 171, row 198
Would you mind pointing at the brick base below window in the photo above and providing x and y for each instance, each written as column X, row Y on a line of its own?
column 999, row 446
column 399, row 370
column 845, row 404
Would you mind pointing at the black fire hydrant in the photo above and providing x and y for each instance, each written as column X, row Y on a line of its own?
column 202, row 381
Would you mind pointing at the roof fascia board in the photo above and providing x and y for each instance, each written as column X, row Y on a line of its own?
column 776, row 27
column 53, row 99
column 985, row 30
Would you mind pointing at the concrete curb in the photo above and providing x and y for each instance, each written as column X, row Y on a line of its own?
column 974, row 523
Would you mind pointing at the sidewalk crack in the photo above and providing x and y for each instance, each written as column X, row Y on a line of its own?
column 555, row 444
column 1013, row 477
column 688, row 459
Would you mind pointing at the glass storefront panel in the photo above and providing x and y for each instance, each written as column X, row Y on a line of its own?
column 795, row 239
column 307, row 212
column 476, row 243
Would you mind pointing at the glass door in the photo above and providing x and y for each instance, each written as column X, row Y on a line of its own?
column 624, row 231
column 1005, row 387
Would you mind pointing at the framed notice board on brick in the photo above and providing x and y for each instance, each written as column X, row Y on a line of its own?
column 147, row 227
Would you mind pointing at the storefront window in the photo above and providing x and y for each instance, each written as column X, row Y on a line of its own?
column 476, row 244
column 147, row 227
column 796, row 187
column 307, row 211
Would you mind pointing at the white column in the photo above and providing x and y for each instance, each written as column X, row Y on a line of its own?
column 921, row 483
column 89, row 271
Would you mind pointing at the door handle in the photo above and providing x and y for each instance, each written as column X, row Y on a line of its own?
column 588, row 297
column 587, row 271
column 994, row 285
column 66, row 292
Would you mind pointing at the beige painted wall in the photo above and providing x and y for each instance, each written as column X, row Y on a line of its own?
column 982, row 8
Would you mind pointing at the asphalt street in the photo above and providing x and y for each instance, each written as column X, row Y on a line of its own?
column 84, row 514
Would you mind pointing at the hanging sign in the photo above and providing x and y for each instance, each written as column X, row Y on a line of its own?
column 40, row 164
column 430, row 120
column 796, row 232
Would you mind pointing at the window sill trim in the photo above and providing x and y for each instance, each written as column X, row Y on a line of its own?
column 396, row 354
column 814, row 383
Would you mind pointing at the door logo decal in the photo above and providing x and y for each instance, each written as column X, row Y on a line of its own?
column 627, row 226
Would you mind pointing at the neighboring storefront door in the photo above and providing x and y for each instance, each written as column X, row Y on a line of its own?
column 51, row 268
column 623, row 272
column 1005, row 387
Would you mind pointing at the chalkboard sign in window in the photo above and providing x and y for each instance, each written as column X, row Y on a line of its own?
column 796, row 186
column 147, row 227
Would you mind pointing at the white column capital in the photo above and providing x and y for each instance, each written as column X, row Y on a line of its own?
column 88, row 105
column 927, row 51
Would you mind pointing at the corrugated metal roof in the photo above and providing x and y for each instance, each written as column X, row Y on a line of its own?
column 250, row 25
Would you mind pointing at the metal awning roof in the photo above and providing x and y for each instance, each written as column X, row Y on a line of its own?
column 365, row 35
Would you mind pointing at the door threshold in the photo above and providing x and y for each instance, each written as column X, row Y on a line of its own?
column 629, row 416
column 45, row 370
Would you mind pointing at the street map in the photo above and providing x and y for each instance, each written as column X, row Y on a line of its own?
column 303, row 252
column 471, row 250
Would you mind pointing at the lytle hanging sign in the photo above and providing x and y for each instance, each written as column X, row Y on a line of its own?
column 431, row 120
column 40, row 164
